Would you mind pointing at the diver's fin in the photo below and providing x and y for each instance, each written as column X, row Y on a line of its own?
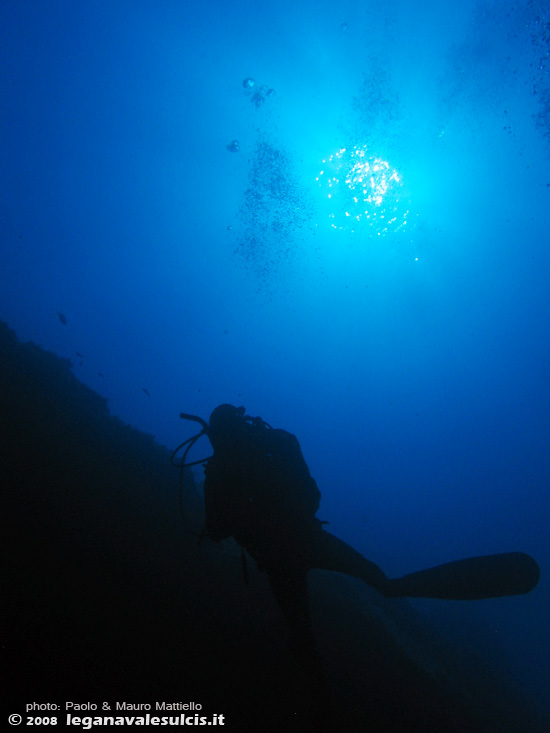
column 490, row 576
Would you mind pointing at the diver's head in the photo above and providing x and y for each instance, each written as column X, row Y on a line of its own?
column 226, row 424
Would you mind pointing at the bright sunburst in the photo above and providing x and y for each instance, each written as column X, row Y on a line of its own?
column 363, row 191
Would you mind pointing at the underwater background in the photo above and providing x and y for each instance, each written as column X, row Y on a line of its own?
column 334, row 214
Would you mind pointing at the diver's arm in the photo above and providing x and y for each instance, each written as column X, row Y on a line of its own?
column 216, row 510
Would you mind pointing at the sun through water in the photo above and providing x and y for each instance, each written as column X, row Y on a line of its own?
column 363, row 192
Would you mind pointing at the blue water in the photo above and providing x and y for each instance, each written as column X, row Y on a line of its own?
column 404, row 340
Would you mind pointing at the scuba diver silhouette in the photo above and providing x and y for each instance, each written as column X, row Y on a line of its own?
column 258, row 489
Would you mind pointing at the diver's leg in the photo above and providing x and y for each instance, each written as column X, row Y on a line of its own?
column 289, row 587
column 327, row 552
